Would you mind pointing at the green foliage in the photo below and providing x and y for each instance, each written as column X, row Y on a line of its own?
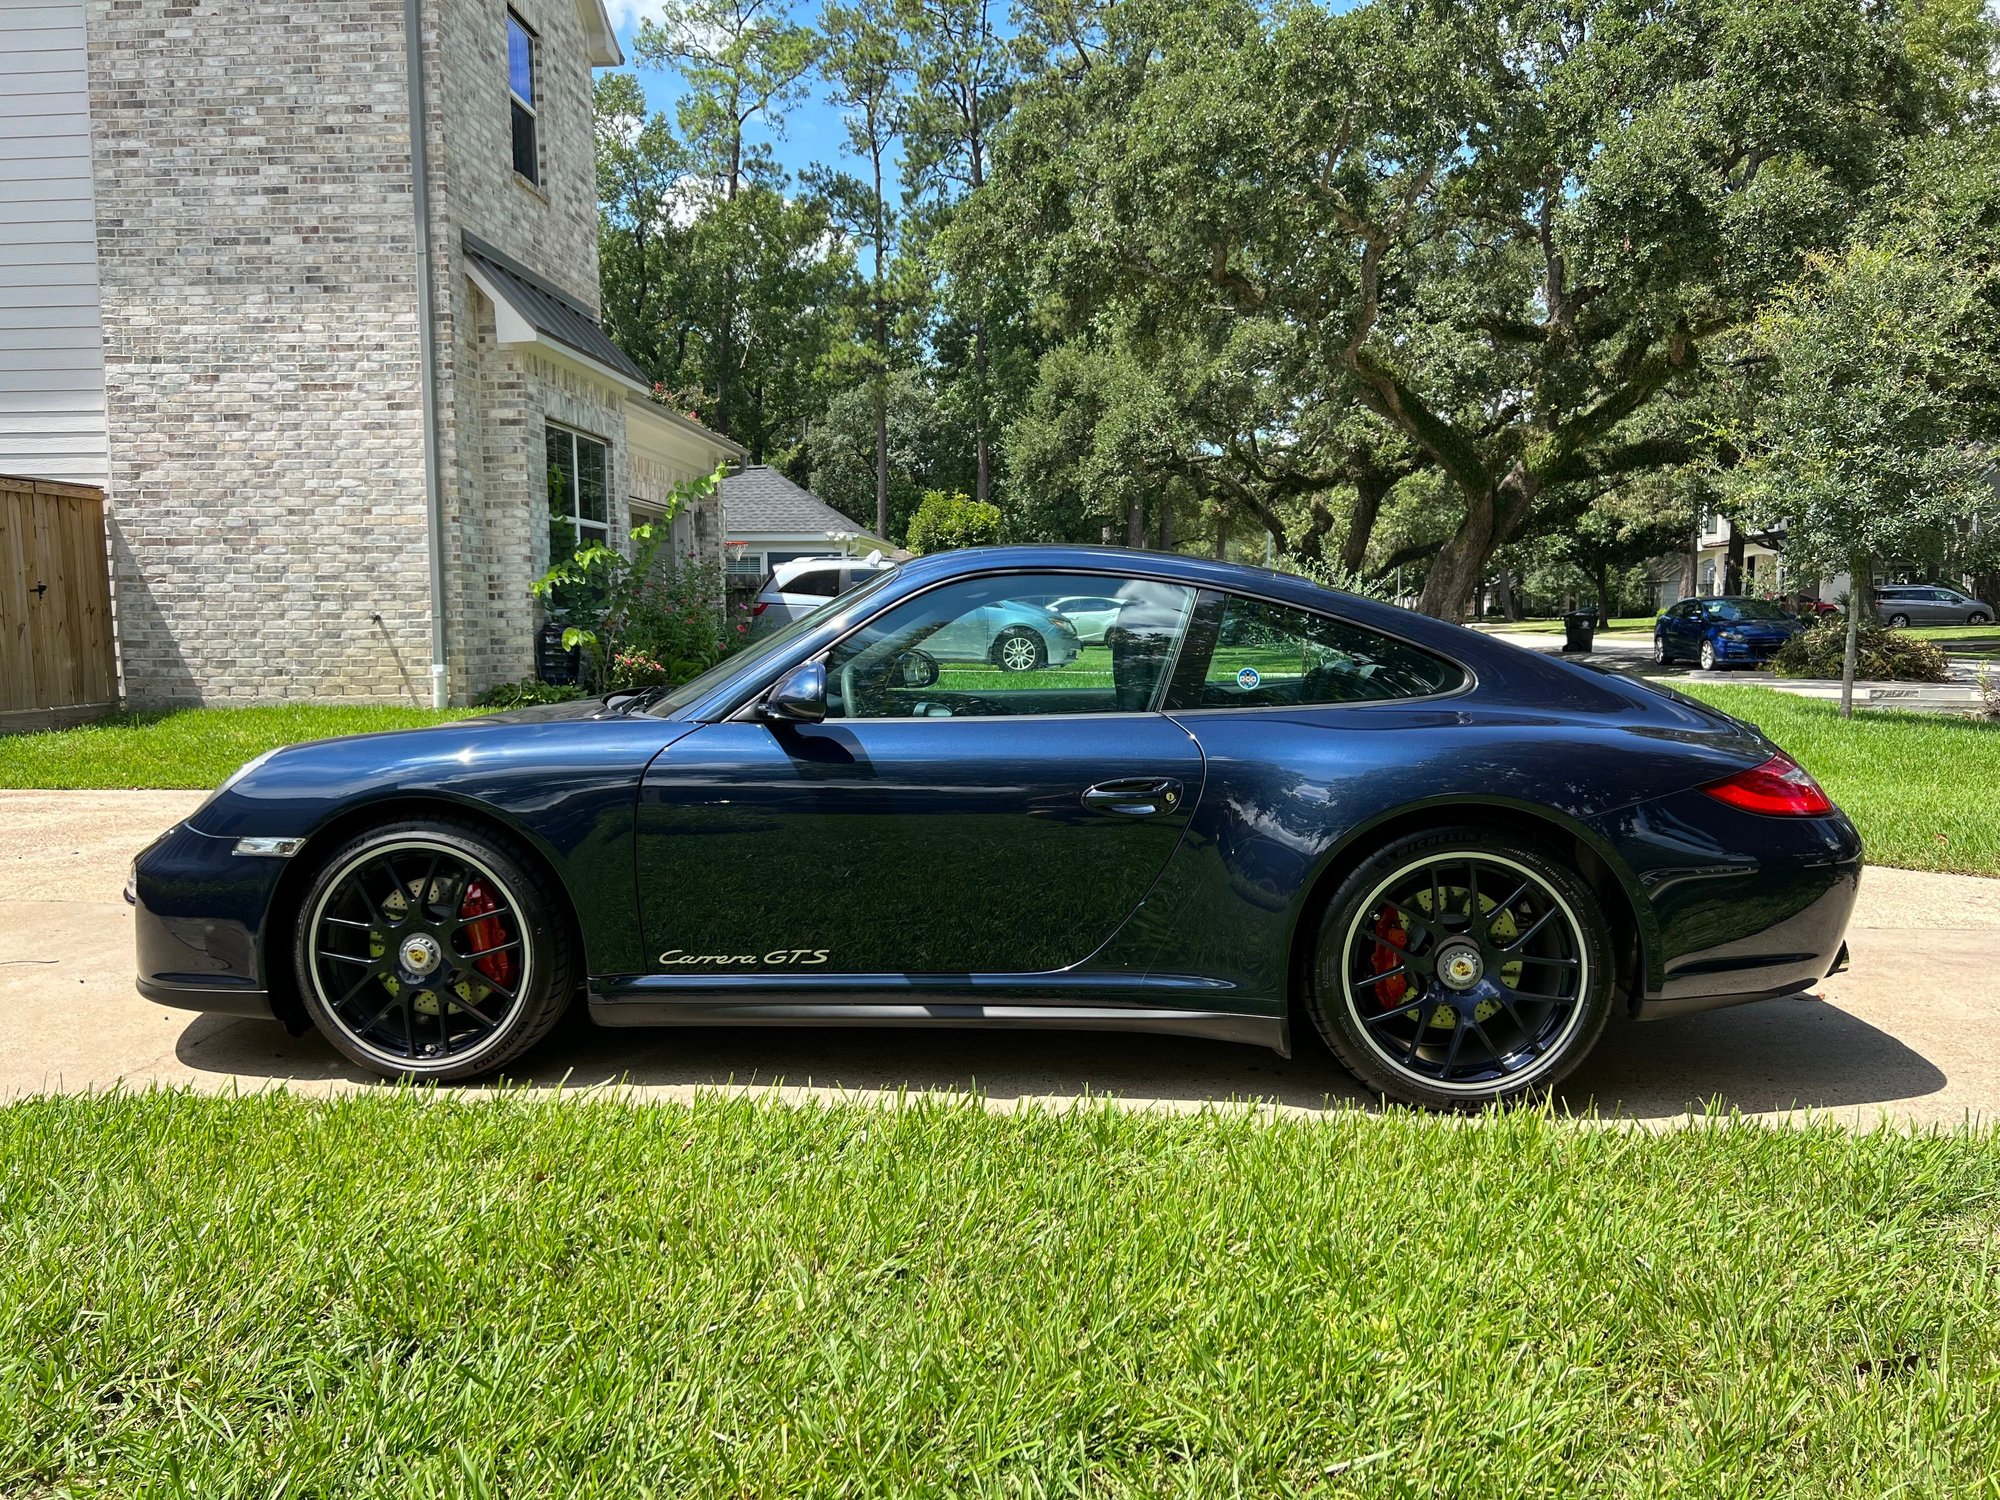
column 598, row 594
column 680, row 625
column 1820, row 650
column 528, row 693
column 945, row 522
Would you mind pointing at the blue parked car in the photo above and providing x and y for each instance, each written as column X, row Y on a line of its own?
column 1725, row 630
column 1279, row 815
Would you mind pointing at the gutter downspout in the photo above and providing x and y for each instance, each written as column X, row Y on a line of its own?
column 420, row 196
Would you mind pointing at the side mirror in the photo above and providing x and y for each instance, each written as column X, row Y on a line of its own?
column 799, row 696
column 916, row 669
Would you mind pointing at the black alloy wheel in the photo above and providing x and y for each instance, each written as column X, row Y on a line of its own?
column 429, row 951
column 1461, row 968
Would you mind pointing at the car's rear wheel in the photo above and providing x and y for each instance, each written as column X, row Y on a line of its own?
column 1898, row 622
column 1661, row 656
column 431, row 950
column 1019, row 649
column 1708, row 658
column 1459, row 968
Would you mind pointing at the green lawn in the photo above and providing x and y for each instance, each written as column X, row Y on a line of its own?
column 189, row 748
column 394, row 1295
column 1920, row 787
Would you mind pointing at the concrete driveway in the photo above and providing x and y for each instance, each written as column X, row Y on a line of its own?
column 1909, row 1034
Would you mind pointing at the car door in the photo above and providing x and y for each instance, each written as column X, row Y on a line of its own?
column 1684, row 627
column 934, row 823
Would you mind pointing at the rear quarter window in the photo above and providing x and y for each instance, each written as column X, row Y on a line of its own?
column 1270, row 655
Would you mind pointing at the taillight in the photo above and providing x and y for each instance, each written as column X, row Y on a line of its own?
column 1780, row 788
column 761, row 606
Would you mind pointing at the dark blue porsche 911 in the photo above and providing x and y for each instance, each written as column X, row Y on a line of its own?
column 1254, row 806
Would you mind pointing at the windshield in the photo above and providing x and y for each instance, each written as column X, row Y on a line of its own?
column 1746, row 609
column 696, row 688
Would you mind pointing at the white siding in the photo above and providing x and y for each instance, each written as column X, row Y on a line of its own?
column 51, row 343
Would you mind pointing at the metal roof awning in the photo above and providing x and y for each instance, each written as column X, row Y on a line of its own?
column 528, row 310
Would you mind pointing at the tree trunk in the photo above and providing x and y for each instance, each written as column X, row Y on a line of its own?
column 1732, row 566
column 1368, row 492
column 1163, row 528
column 1691, row 564
column 882, row 460
column 1602, row 579
column 1456, row 569
column 1857, row 598
column 1135, row 526
column 982, row 481
column 1221, row 536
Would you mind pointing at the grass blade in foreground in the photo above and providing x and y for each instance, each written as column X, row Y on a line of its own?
column 392, row 1295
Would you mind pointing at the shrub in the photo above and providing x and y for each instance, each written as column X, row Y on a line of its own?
column 1883, row 655
column 681, row 622
column 526, row 693
column 947, row 521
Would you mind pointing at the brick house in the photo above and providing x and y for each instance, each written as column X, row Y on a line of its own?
column 335, row 450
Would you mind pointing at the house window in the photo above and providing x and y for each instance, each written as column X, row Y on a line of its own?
column 579, row 479
column 521, row 96
column 745, row 565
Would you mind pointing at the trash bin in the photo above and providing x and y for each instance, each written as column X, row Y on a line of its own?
column 1579, row 629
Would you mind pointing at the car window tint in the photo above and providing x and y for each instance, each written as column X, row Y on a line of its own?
column 987, row 646
column 821, row 583
column 1270, row 655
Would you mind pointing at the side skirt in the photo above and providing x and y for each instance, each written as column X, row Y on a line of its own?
column 992, row 1002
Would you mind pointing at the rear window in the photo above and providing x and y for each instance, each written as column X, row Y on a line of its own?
column 1269, row 655
column 821, row 583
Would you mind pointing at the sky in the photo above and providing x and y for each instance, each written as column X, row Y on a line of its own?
column 813, row 131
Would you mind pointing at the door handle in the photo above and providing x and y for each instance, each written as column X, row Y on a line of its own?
column 1135, row 796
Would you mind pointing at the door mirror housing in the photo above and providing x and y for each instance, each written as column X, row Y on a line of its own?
column 799, row 697
column 916, row 669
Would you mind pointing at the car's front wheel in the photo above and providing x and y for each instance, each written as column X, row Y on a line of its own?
column 1978, row 617
column 1708, row 657
column 431, row 950
column 1019, row 650
column 1461, row 967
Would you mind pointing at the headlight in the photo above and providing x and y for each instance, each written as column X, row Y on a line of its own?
column 234, row 776
column 1732, row 635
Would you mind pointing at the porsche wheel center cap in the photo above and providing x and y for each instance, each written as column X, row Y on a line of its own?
column 1459, row 965
column 421, row 954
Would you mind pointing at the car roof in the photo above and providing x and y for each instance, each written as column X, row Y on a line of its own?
column 795, row 564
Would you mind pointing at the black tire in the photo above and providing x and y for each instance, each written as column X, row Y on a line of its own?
column 1978, row 617
column 1661, row 656
column 1010, row 654
column 1710, row 662
column 416, row 893
column 1899, row 622
column 1527, row 1041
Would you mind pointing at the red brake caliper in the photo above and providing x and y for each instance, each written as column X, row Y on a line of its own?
column 1390, row 941
column 486, row 933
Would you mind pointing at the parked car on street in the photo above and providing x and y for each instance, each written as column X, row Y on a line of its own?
column 1451, row 859
column 1091, row 616
column 1900, row 604
column 798, row 587
column 1722, row 631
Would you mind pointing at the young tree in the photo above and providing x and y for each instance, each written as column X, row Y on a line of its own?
column 742, row 60
column 861, row 60
column 1864, row 441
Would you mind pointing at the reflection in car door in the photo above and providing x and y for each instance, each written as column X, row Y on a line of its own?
column 877, row 846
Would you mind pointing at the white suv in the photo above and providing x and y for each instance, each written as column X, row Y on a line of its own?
column 802, row 585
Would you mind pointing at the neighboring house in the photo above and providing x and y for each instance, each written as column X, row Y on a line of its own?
column 1763, row 561
column 769, row 520
column 334, row 449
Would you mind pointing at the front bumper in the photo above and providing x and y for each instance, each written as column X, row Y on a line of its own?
column 198, row 912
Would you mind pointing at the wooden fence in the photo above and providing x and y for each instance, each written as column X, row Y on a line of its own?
column 58, row 662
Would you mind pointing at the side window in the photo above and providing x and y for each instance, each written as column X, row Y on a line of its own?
column 982, row 647
column 521, row 97
column 820, row 583
column 1268, row 655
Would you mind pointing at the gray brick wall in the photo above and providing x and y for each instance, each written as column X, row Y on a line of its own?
column 253, row 192
column 252, row 183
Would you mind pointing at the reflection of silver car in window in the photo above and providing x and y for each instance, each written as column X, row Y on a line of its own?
column 1091, row 614
column 1014, row 637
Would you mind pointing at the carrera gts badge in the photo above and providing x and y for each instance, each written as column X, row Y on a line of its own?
column 804, row 957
